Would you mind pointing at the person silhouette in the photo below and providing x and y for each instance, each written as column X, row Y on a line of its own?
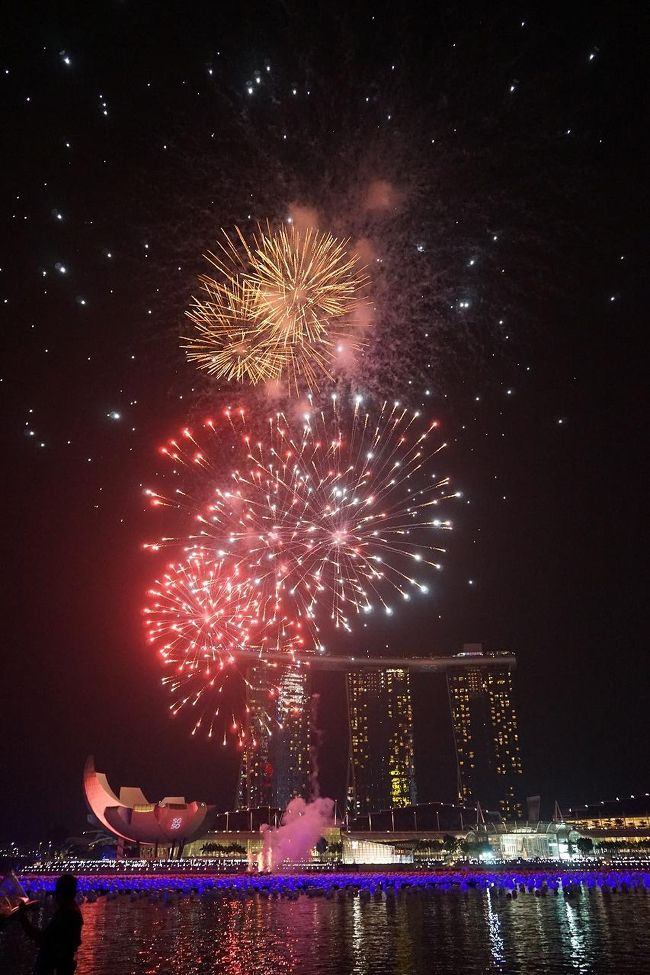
column 59, row 939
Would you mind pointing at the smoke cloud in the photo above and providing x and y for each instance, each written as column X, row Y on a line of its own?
column 382, row 195
column 303, row 217
column 303, row 824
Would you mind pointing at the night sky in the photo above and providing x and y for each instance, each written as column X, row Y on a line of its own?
column 510, row 283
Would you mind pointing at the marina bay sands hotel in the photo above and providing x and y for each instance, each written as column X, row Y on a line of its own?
column 381, row 763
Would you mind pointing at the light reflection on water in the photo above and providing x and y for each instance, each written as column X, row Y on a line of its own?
column 413, row 932
column 494, row 930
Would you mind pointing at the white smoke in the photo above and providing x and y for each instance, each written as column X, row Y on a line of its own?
column 303, row 824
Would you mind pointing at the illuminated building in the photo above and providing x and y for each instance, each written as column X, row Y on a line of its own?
column 357, row 851
column 275, row 756
column 616, row 826
column 381, row 776
column 486, row 736
column 291, row 738
column 256, row 767
column 629, row 813
column 523, row 841
column 165, row 825
column 381, row 771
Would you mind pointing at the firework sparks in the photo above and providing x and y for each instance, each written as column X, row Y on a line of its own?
column 339, row 512
column 228, row 341
column 203, row 617
column 279, row 308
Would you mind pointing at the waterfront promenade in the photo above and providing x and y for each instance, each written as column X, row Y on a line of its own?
column 318, row 883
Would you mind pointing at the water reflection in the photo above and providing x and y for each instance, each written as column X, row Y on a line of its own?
column 494, row 931
column 357, row 938
column 384, row 933
column 578, row 937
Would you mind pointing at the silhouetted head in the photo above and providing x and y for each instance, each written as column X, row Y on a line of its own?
column 66, row 889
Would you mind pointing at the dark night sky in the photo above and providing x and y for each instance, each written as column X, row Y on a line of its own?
column 515, row 140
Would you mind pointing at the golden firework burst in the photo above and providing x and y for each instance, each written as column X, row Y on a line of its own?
column 280, row 307
column 226, row 341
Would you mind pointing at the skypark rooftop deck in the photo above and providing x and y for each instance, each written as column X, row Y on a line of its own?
column 333, row 661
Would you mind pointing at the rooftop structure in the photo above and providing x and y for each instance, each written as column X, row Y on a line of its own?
column 333, row 661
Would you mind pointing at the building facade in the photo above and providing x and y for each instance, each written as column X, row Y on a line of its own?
column 524, row 841
column 163, row 826
column 486, row 735
column 381, row 766
column 619, row 826
column 274, row 763
column 290, row 751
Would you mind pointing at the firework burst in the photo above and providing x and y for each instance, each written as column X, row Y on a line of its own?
column 204, row 617
column 339, row 512
column 280, row 308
